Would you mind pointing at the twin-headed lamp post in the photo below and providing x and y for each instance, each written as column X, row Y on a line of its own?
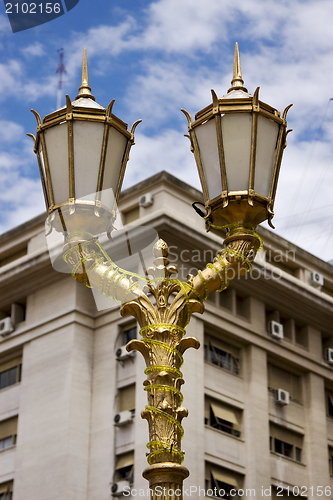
column 82, row 152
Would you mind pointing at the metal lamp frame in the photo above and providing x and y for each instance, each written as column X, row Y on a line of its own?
column 103, row 217
column 262, row 207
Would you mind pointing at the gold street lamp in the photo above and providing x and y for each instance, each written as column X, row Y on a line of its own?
column 82, row 150
column 238, row 143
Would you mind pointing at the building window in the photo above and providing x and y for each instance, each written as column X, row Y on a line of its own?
column 293, row 331
column 282, row 379
column 223, row 355
column 222, row 483
column 285, row 442
column 124, row 469
column 227, row 299
column 131, row 215
column 301, row 335
column 128, row 334
column 329, row 403
column 223, row 417
column 8, row 431
column 10, row 373
column 236, row 302
column 330, row 460
column 126, row 398
column 243, row 305
column 6, row 490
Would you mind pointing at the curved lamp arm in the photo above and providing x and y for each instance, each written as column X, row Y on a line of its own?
column 90, row 264
column 163, row 322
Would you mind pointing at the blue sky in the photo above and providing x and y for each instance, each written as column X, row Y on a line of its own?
column 157, row 57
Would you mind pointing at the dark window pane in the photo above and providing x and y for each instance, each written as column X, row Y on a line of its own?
column 221, row 358
column 330, row 405
column 224, row 425
column 278, row 446
column 235, row 366
column 7, row 442
column 298, row 453
column 224, row 359
column 126, row 473
column 288, row 450
column 12, row 375
column 3, row 379
column 129, row 334
column 213, row 356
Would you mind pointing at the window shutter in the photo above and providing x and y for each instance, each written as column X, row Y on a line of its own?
column 127, row 398
column 125, row 460
column 226, row 413
column 8, row 427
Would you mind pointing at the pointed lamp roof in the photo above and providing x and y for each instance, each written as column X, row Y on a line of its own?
column 237, row 81
column 85, row 90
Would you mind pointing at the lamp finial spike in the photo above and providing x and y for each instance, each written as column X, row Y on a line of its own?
column 85, row 90
column 237, row 81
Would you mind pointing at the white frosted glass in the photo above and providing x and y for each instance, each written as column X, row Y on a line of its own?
column 237, row 94
column 236, row 133
column 207, row 140
column 88, row 139
column 85, row 102
column 57, row 154
column 266, row 146
column 113, row 162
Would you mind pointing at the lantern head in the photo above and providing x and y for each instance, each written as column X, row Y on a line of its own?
column 82, row 150
column 238, row 142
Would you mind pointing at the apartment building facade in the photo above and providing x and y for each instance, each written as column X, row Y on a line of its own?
column 259, row 390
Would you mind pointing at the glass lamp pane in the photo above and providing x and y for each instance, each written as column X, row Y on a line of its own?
column 236, row 133
column 207, row 140
column 88, row 139
column 266, row 146
column 57, row 153
column 113, row 161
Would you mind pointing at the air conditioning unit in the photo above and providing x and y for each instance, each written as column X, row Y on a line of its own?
column 123, row 418
column 329, row 355
column 6, row 326
column 316, row 280
column 120, row 488
column 146, row 200
column 275, row 329
column 282, row 397
column 122, row 354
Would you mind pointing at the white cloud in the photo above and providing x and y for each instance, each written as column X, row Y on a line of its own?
column 35, row 50
column 21, row 197
column 11, row 75
column 304, row 207
column 184, row 26
column 169, row 151
column 11, row 131
column 23, row 201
